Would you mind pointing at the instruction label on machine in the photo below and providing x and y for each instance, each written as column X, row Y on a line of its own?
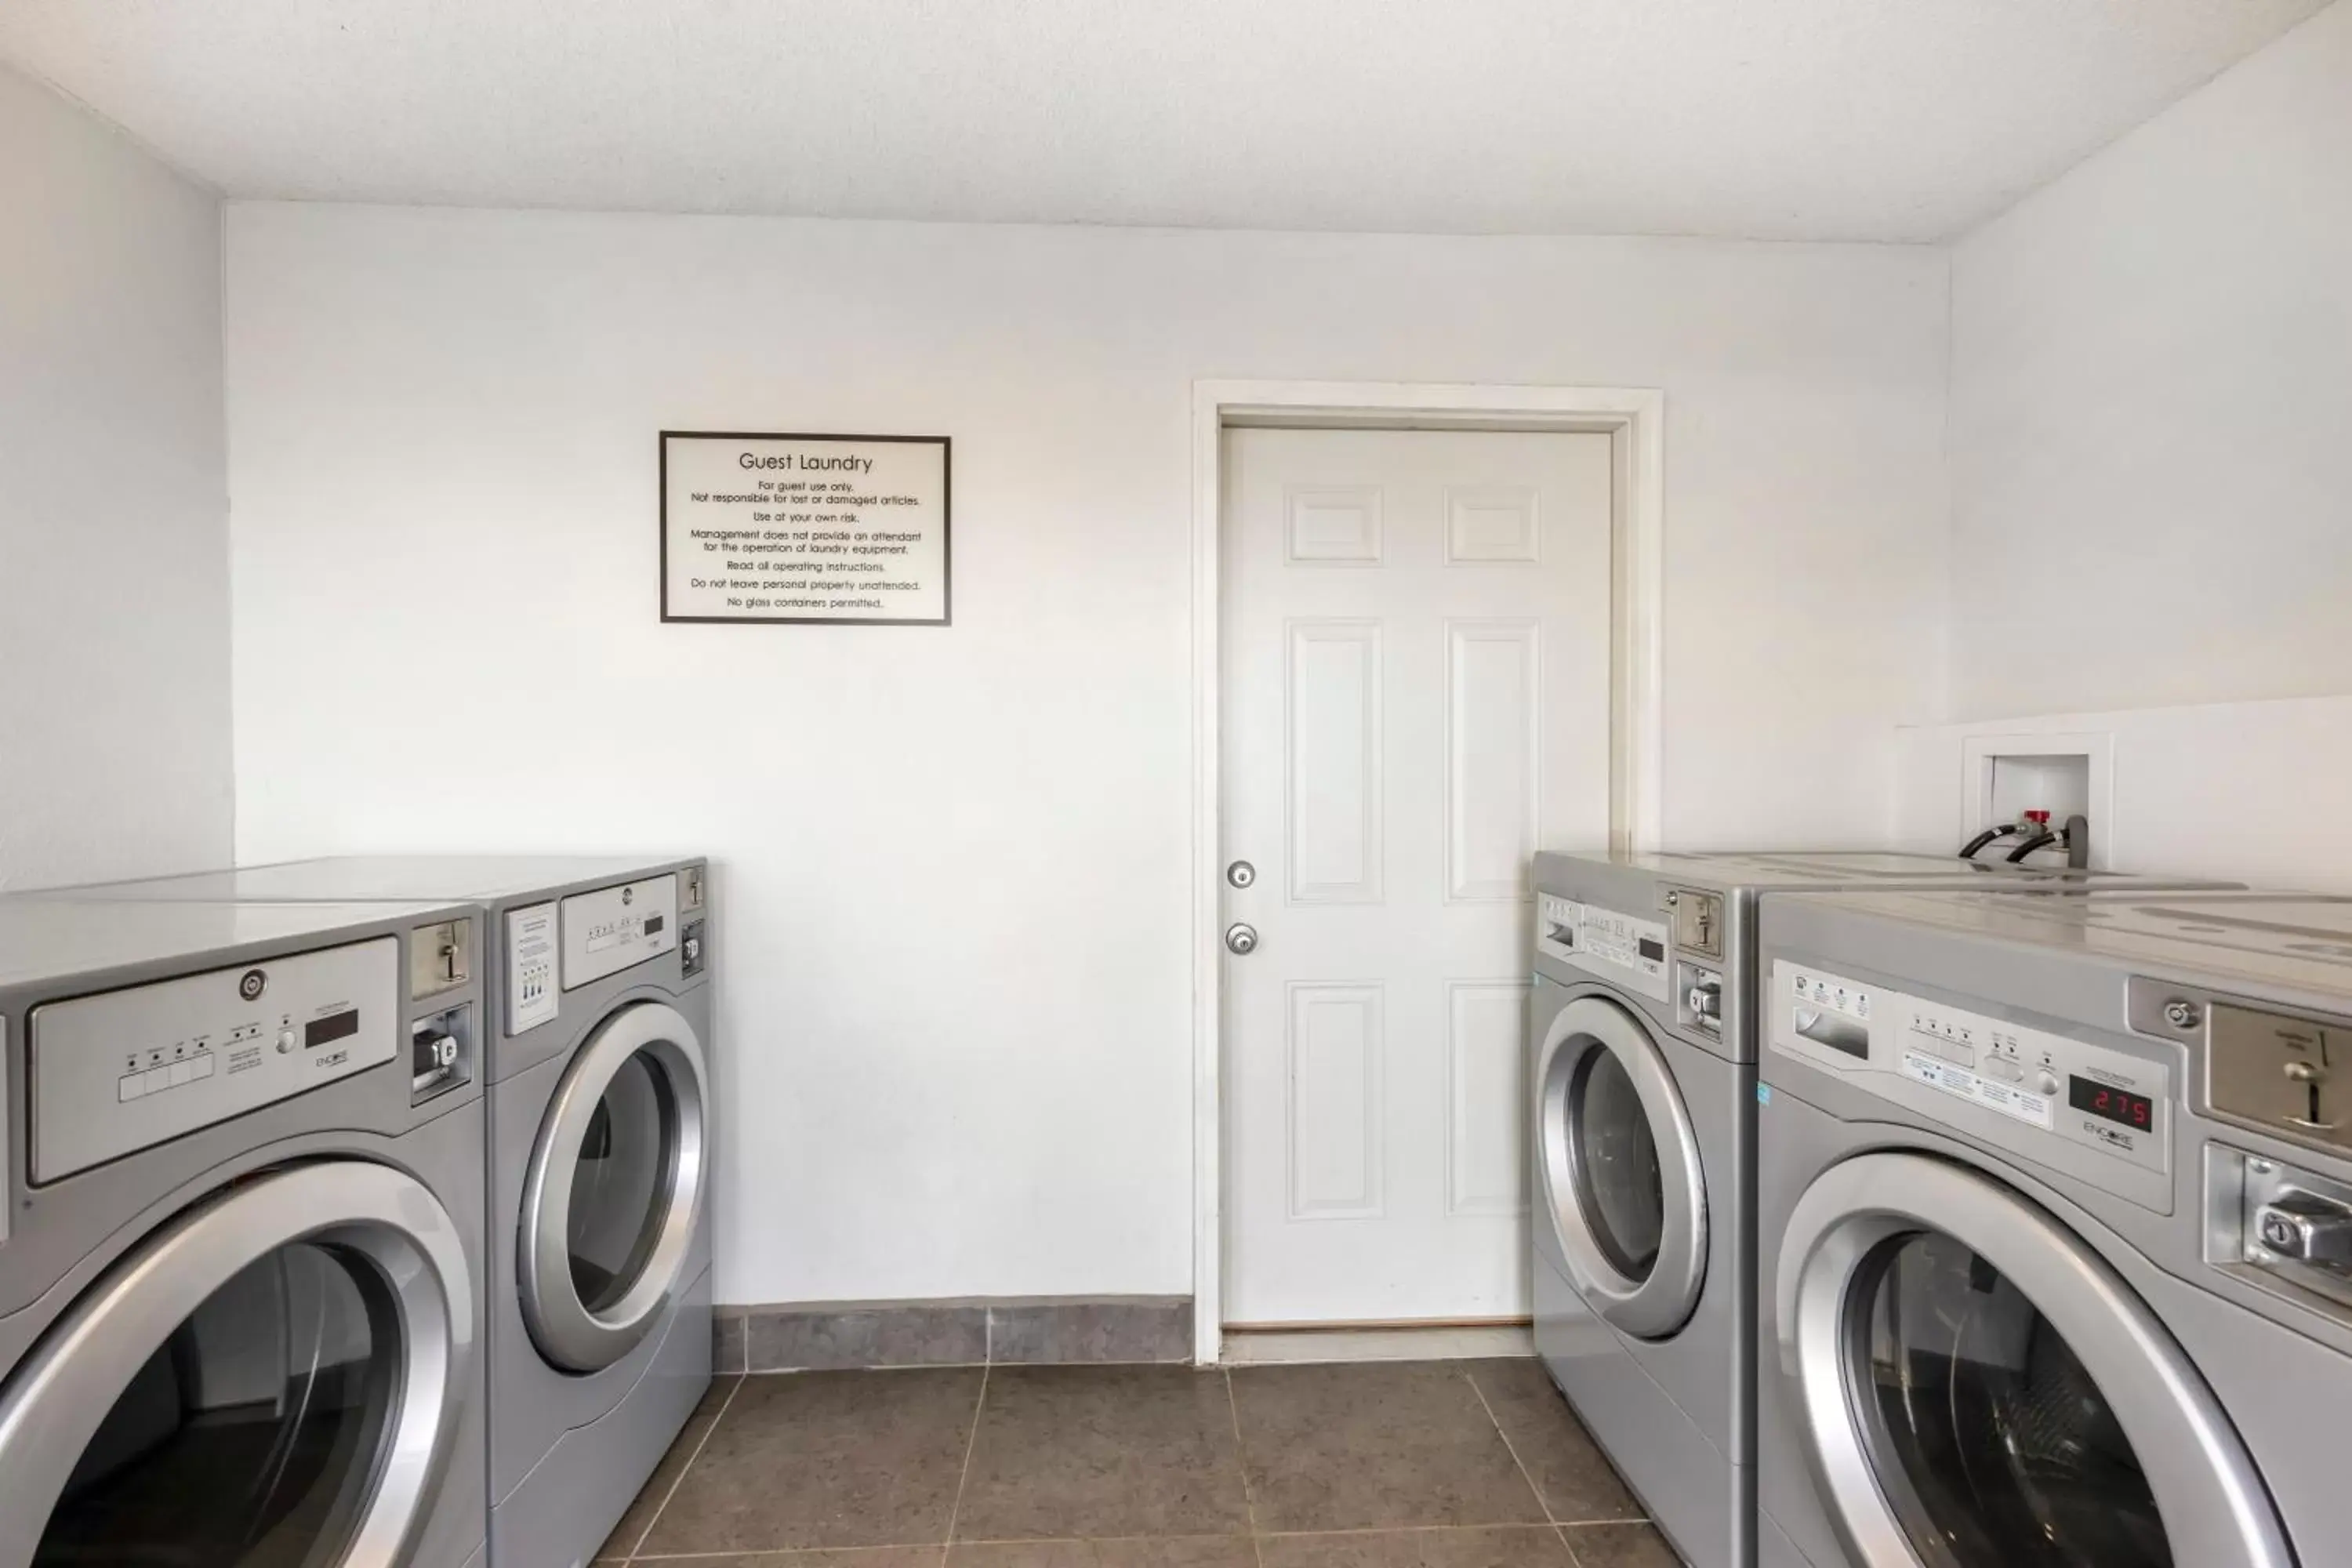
column 1990, row 1092
column 1616, row 946
column 805, row 528
column 530, row 967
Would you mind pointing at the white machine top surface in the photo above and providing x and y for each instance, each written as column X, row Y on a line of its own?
column 2301, row 939
column 1776, row 871
column 362, row 878
column 44, row 939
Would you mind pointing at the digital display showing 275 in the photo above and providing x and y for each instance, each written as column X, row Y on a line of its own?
column 2118, row 1105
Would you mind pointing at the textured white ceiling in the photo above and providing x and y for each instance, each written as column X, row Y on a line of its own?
column 1886, row 119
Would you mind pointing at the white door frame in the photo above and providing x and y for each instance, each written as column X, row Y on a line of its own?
column 1634, row 420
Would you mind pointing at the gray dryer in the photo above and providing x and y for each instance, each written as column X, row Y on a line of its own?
column 599, row 1067
column 242, row 1252
column 1642, row 1083
column 2056, row 1229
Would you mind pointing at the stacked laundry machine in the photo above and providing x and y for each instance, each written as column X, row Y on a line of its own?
column 243, row 1266
column 1644, row 1039
column 2054, row 1203
column 587, row 1053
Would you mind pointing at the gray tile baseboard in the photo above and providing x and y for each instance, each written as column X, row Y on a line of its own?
column 1031, row 1331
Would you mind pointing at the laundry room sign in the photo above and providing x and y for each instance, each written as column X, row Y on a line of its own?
column 801, row 529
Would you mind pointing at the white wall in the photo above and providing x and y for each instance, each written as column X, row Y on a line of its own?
column 2249, row 792
column 954, row 863
column 114, row 684
column 2151, row 397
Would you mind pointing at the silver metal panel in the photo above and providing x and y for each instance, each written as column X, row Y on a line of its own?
column 1704, row 1369
column 2231, row 941
column 569, row 1504
column 1684, row 1483
column 125, row 1069
column 542, row 1403
column 372, row 878
column 51, row 940
column 613, row 928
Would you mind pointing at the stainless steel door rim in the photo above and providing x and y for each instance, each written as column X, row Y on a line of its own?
column 2212, row 1501
column 1662, row 1297
column 567, row 1331
column 53, row 1408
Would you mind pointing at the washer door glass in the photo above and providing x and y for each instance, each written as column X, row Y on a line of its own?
column 251, row 1434
column 273, row 1378
column 1982, row 1388
column 613, row 1190
column 2007, row 1453
column 1618, row 1168
column 1618, row 1183
column 620, row 1182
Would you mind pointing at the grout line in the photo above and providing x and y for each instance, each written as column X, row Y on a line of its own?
column 1240, row 1457
column 1575, row 1559
column 1545, row 1525
column 645, row 1534
column 1542, row 1501
column 979, row 1407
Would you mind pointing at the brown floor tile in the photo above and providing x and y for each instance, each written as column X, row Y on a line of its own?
column 1161, row 1551
column 1508, row 1546
column 1619, row 1546
column 826, row 1458
column 1103, row 1451
column 632, row 1528
column 1373, row 1446
column 1560, row 1456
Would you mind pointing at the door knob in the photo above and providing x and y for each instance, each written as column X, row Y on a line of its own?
column 1241, row 873
column 1241, row 938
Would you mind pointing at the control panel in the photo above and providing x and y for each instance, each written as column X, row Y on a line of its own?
column 531, row 951
column 2051, row 1097
column 1625, row 949
column 124, row 1071
column 611, row 929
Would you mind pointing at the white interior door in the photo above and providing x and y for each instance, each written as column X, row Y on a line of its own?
column 1415, row 695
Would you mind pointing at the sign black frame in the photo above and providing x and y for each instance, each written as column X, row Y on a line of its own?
column 947, row 530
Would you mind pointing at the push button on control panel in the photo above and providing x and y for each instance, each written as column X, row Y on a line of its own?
column 180, row 1066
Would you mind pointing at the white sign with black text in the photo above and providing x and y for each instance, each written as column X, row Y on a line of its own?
column 805, row 528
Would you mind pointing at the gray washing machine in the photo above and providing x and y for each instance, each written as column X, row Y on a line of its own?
column 242, row 1252
column 2055, row 1208
column 1642, row 1051
column 599, row 1080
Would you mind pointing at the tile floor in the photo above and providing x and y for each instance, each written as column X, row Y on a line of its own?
column 1454, row 1464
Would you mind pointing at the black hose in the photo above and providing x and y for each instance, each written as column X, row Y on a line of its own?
column 2039, row 841
column 1969, row 850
